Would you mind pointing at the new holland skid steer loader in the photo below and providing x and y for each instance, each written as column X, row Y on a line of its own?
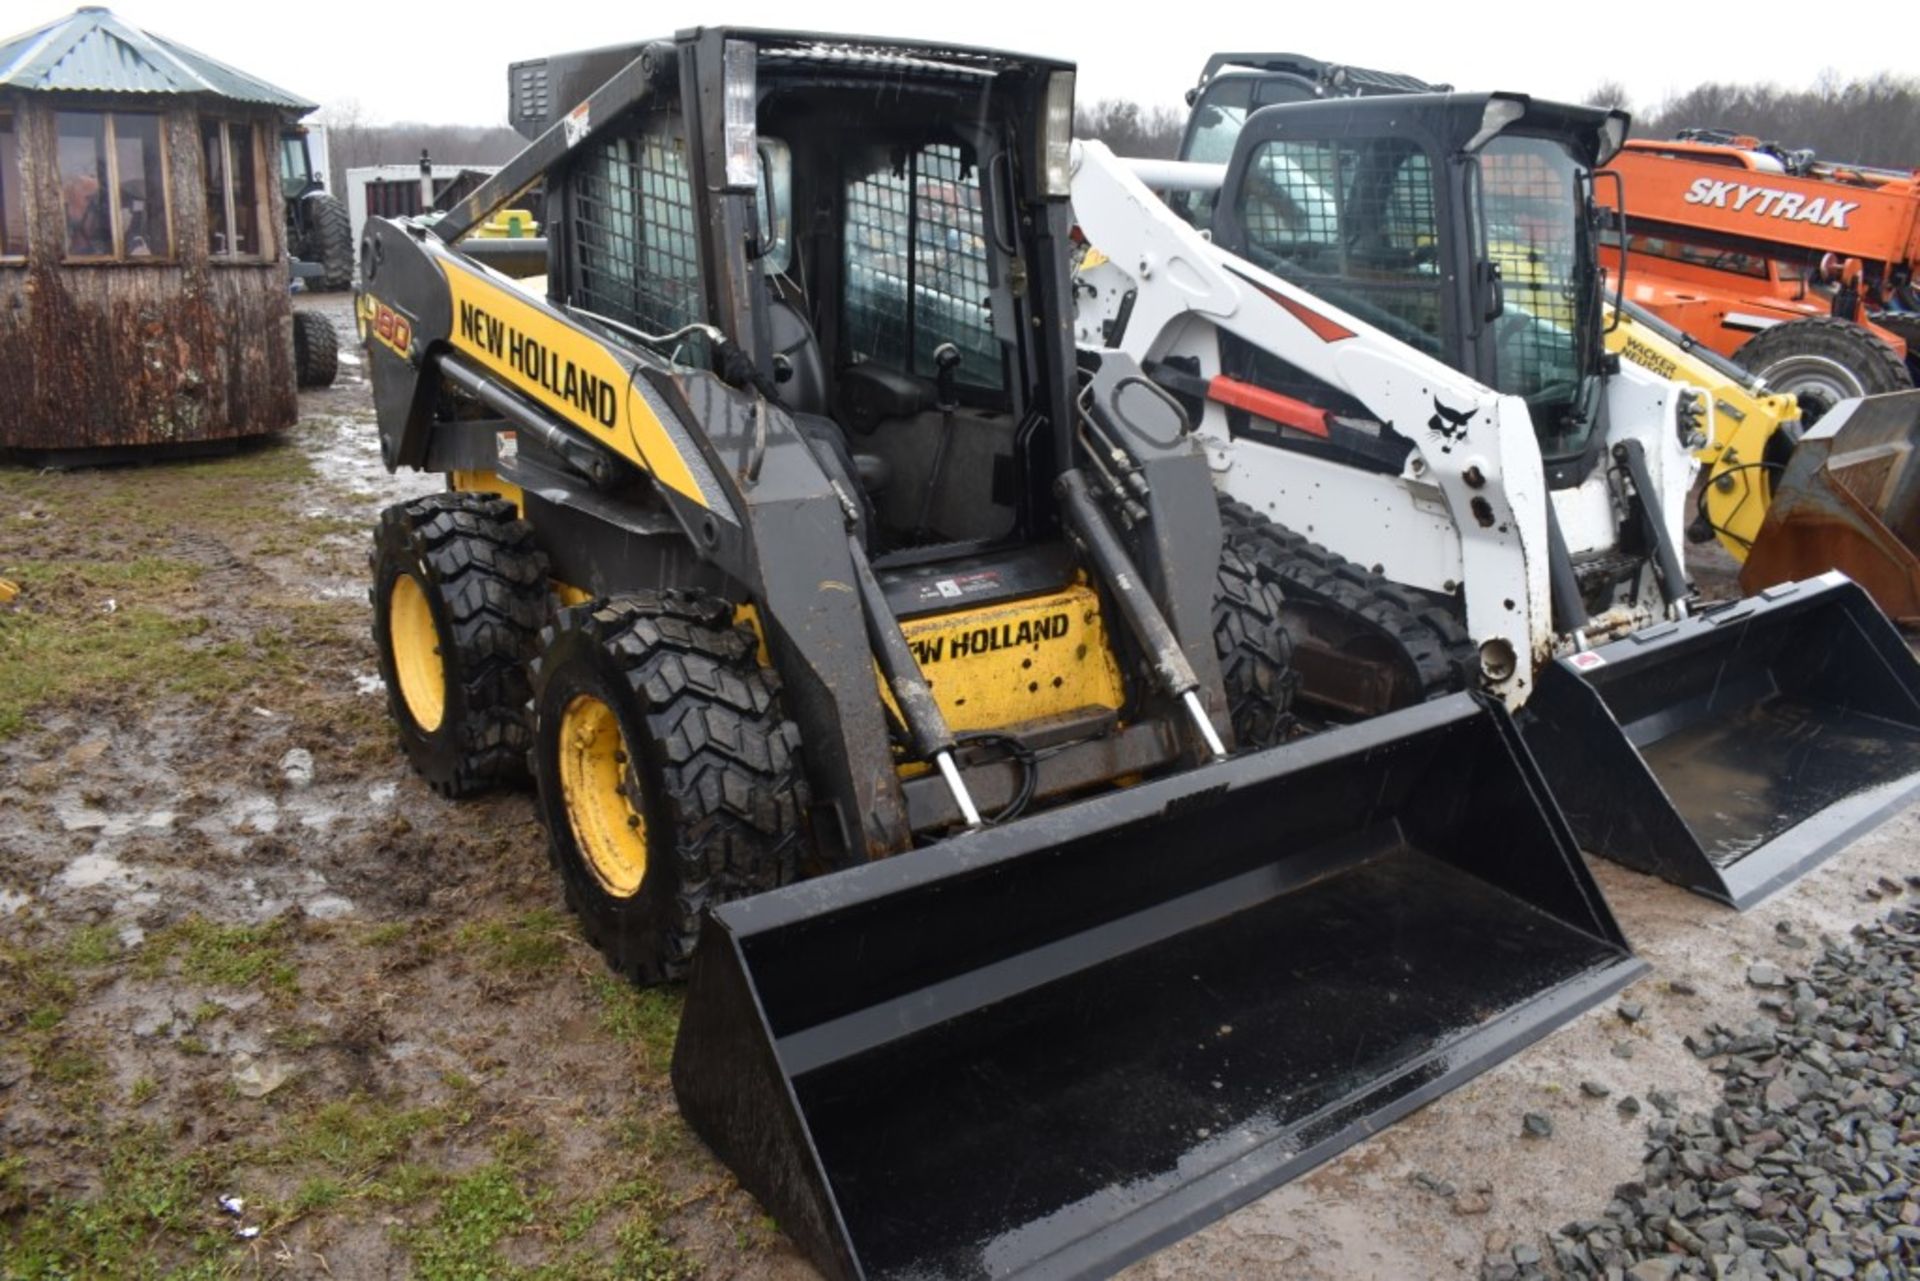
column 882, row 657
column 1392, row 336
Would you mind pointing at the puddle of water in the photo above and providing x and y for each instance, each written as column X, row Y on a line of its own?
column 253, row 814
column 93, row 870
column 328, row 907
column 383, row 793
column 318, row 818
column 12, row 901
column 347, row 451
column 76, row 817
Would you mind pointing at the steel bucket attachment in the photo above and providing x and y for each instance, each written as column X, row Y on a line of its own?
column 1734, row 751
column 1049, row 1048
column 1849, row 500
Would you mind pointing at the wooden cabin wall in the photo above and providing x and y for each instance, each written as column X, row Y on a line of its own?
column 124, row 354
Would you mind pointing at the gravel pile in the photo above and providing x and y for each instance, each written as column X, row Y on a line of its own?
column 1810, row 1165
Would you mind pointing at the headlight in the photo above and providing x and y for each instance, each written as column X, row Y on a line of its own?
column 1056, row 162
column 742, row 106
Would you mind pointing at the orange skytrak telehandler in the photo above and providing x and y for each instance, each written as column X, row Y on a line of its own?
column 1801, row 271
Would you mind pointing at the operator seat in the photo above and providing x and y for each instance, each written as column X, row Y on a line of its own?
column 801, row 373
column 799, row 368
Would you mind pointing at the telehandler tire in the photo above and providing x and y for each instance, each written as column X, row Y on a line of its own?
column 669, row 775
column 459, row 593
column 1822, row 360
column 1256, row 654
column 1333, row 608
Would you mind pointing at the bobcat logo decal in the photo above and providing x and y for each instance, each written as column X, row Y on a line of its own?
column 1450, row 425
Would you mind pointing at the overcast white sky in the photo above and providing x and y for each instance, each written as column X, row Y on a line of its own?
column 446, row 63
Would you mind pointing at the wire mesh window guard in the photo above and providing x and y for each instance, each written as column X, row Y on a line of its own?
column 916, row 230
column 635, row 240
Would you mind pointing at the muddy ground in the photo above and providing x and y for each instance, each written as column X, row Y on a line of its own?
column 268, row 1006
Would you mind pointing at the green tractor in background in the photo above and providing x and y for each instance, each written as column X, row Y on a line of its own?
column 319, row 232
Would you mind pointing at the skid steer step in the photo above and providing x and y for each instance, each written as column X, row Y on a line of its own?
column 1048, row 1048
column 1733, row 752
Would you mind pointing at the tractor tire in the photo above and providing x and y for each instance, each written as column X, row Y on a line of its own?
column 329, row 242
column 1256, row 654
column 1362, row 645
column 459, row 593
column 316, row 350
column 669, row 776
column 1823, row 361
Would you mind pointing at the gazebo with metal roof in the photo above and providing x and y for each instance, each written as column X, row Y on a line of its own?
column 143, row 267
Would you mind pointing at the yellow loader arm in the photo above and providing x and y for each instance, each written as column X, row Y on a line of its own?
column 1739, row 471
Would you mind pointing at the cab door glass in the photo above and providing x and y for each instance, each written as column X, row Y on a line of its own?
column 916, row 265
column 1354, row 222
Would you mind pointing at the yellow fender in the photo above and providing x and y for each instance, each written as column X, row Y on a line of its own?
column 1739, row 486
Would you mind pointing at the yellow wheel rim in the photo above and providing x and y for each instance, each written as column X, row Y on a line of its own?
column 416, row 653
column 593, row 774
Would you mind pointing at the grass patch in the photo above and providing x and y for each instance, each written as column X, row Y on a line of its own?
column 35, row 987
column 647, row 1255
column 389, row 934
column 148, row 1191
column 47, row 658
column 118, row 533
column 640, row 1248
column 93, row 946
column 648, row 1018
column 138, row 575
column 530, row 943
column 321, row 1192
column 224, row 955
column 461, row 1242
column 354, row 1140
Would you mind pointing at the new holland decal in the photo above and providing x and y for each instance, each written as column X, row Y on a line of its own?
column 985, row 640
column 539, row 363
column 565, row 369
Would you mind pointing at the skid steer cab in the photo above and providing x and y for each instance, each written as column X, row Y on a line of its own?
column 1391, row 329
column 882, row 669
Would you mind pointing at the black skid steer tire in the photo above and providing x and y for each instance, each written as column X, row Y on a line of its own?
column 1328, row 601
column 459, row 593
column 316, row 350
column 329, row 241
column 669, row 776
column 1255, row 654
column 1822, row 360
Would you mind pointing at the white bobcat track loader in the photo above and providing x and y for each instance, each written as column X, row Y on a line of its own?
column 1389, row 329
column 1432, row 479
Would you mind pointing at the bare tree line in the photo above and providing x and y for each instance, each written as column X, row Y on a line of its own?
column 354, row 141
column 1870, row 121
column 1130, row 128
column 1873, row 121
